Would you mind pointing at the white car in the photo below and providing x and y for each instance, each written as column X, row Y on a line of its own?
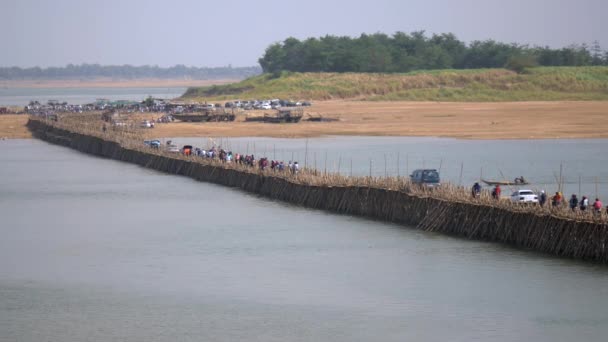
column 524, row 196
column 266, row 106
column 173, row 149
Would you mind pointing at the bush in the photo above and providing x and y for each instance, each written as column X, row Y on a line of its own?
column 520, row 64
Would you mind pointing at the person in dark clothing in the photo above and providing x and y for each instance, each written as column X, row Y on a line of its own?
column 476, row 190
column 573, row 202
column 584, row 203
column 542, row 199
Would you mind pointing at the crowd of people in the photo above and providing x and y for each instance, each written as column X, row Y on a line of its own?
column 247, row 160
column 556, row 201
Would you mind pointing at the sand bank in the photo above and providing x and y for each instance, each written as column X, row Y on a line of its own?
column 516, row 120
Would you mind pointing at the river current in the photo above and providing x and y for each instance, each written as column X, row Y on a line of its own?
column 99, row 250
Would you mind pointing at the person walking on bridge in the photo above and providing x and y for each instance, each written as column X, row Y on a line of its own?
column 597, row 206
column 573, row 202
column 496, row 192
column 584, row 203
column 556, row 201
column 476, row 190
column 543, row 198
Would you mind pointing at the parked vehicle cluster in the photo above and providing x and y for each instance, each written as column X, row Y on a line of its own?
column 265, row 104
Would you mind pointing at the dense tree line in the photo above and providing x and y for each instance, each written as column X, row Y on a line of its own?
column 126, row 72
column 403, row 52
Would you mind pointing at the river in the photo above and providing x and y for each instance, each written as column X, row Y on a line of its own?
column 82, row 95
column 98, row 250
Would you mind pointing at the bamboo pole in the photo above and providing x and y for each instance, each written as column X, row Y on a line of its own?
column 385, row 170
column 596, row 188
column 398, row 173
column 461, row 169
column 306, row 154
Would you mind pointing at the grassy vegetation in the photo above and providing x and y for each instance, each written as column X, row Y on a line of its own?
column 535, row 84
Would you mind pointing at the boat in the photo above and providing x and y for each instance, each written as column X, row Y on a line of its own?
column 205, row 117
column 516, row 181
column 321, row 118
column 282, row 116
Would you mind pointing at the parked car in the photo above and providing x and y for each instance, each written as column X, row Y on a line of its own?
column 152, row 143
column 146, row 124
column 265, row 106
column 524, row 196
column 425, row 177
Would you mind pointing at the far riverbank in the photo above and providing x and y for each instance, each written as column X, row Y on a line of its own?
column 486, row 121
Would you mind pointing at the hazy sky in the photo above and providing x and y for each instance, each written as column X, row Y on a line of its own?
column 222, row 32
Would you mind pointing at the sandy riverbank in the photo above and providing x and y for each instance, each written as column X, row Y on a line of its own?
column 13, row 127
column 516, row 120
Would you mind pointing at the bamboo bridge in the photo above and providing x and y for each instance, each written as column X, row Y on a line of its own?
column 537, row 230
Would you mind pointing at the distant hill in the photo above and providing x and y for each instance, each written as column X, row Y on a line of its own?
column 92, row 71
column 535, row 84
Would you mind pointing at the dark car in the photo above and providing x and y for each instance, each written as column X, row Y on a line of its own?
column 426, row 177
